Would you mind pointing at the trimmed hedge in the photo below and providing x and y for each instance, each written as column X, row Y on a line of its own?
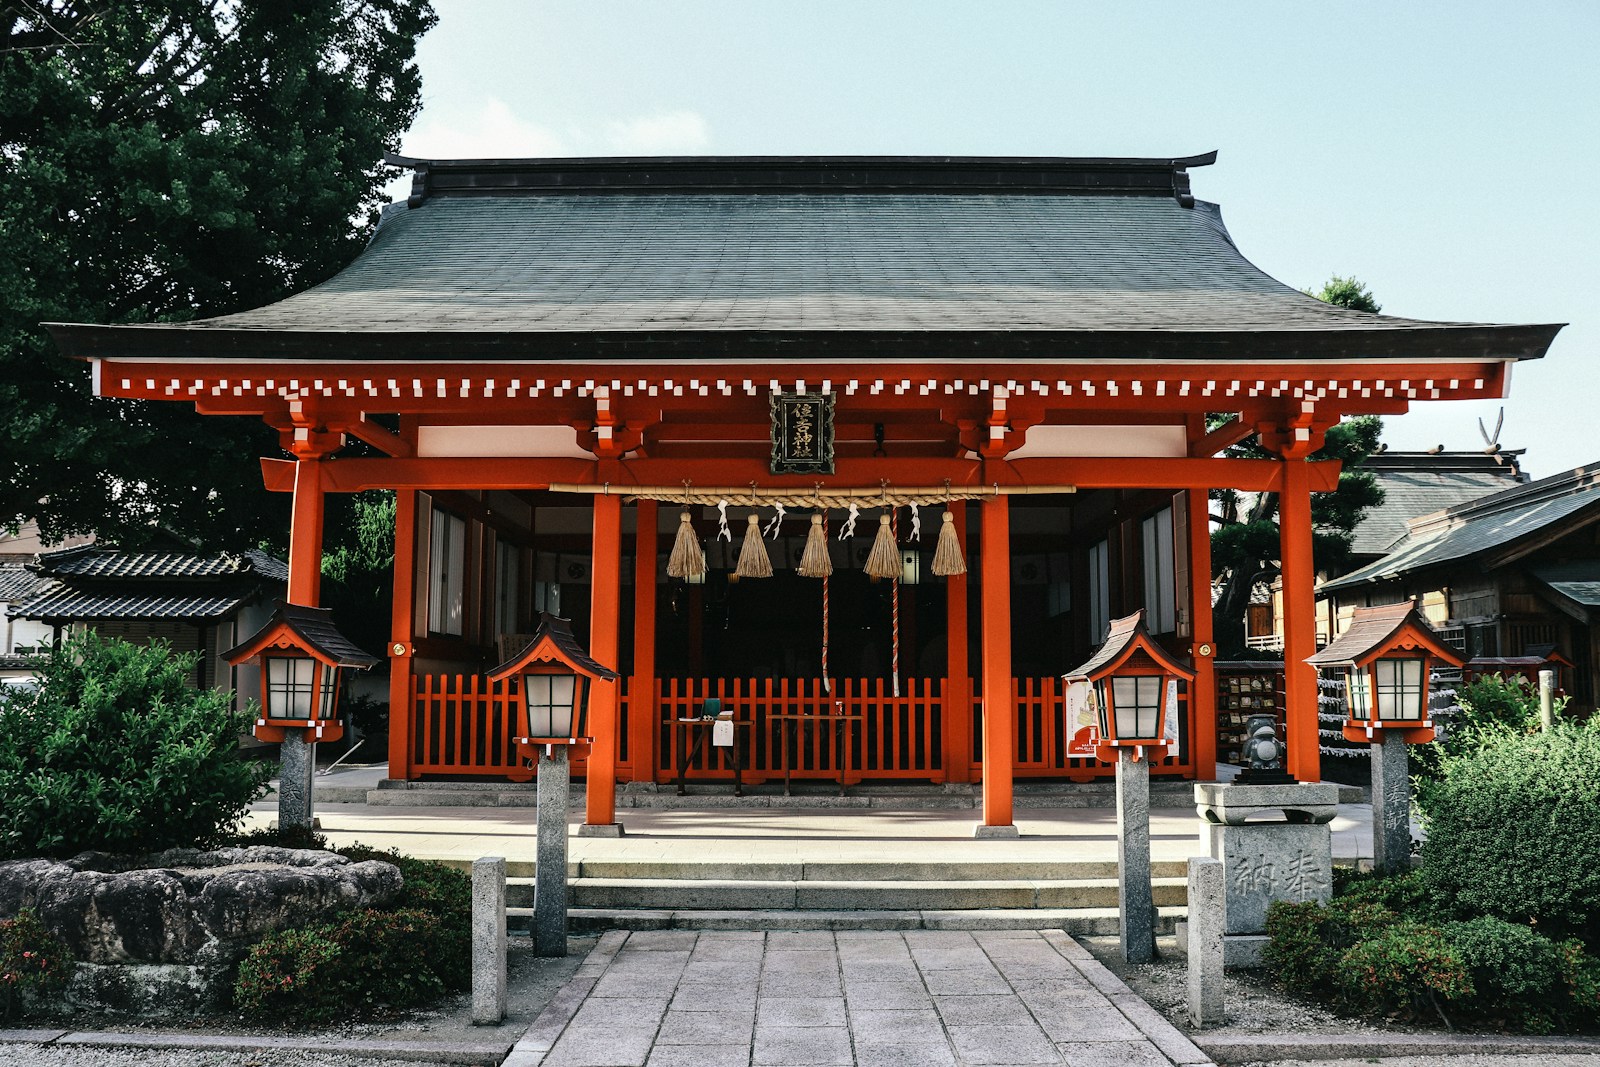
column 1513, row 832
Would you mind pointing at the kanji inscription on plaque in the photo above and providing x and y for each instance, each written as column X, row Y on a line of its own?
column 802, row 433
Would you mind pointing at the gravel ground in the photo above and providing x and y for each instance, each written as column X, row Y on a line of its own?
column 1254, row 1006
column 531, row 982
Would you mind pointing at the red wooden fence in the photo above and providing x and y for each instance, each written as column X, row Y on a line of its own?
column 463, row 725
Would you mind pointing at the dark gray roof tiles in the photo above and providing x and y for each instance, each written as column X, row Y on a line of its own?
column 64, row 604
column 17, row 582
column 1413, row 486
column 110, row 563
column 884, row 269
column 1577, row 580
column 1482, row 525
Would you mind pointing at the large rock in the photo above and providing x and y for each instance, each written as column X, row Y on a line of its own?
column 184, row 906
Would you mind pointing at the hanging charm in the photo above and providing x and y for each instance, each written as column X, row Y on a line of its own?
column 753, row 559
column 777, row 521
column 814, row 562
column 947, row 556
column 848, row 530
column 688, row 559
column 723, row 533
column 884, row 562
column 916, row 523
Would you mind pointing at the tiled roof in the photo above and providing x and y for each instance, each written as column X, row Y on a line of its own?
column 113, row 563
column 315, row 627
column 18, row 582
column 708, row 260
column 1419, row 483
column 1483, row 525
column 63, row 604
column 1577, row 580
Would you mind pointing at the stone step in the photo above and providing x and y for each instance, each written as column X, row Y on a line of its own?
column 1082, row 922
column 668, row 894
column 832, row 871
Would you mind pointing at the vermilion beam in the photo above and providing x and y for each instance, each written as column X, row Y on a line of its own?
column 1299, row 623
column 600, row 805
column 999, row 707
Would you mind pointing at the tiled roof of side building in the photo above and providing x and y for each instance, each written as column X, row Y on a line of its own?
column 108, row 563
column 1483, row 525
column 61, row 604
column 1420, row 483
column 1054, row 259
column 18, row 582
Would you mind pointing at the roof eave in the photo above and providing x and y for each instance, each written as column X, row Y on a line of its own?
column 178, row 343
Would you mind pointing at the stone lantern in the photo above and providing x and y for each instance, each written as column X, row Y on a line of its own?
column 1387, row 657
column 1133, row 688
column 555, row 673
column 300, row 653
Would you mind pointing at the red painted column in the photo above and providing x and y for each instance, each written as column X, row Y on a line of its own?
column 642, row 713
column 1299, row 622
column 1203, row 690
column 605, row 603
column 402, row 633
column 999, row 704
column 305, row 534
column 957, row 719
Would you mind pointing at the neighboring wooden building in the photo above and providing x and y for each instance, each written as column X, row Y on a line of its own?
column 1514, row 573
column 195, row 603
column 564, row 346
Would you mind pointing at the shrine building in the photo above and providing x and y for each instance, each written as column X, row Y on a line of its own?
column 556, row 363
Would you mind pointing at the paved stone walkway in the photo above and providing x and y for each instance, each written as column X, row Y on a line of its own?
column 917, row 998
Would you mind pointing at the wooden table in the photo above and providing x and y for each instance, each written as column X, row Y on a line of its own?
column 844, row 725
column 694, row 736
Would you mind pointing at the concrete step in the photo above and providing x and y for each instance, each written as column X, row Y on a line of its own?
column 1084, row 922
column 833, row 871
column 671, row 894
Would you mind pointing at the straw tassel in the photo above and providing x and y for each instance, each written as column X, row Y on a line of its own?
column 753, row 559
column 947, row 556
column 814, row 563
column 688, row 559
column 884, row 562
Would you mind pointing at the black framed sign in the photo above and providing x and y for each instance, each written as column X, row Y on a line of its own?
column 802, row 433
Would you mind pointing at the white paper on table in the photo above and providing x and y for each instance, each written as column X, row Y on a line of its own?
column 722, row 733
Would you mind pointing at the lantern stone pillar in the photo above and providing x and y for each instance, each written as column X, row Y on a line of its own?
column 297, row 765
column 550, row 872
column 1391, row 804
column 1134, row 898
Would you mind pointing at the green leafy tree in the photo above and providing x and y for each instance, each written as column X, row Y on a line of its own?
column 163, row 160
column 1245, row 544
column 115, row 750
column 358, row 565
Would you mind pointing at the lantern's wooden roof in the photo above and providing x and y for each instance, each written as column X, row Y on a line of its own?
column 1375, row 630
column 1126, row 637
column 856, row 258
column 314, row 628
column 558, row 632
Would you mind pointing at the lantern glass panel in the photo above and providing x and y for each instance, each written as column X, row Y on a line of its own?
column 549, row 700
column 1358, row 692
column 1136, row 700
column 291, row 684
column 328, row 691
column 1401, row 694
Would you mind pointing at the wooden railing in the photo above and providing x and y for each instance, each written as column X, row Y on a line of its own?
column 463, row 725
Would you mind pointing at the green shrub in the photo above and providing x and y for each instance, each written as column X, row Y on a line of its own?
column 1308, row 939
column 431, row 886
column 1404, row 894
column 1491, row 707
column 359, row 964
column 1513, row 832
column 32, row 961
column 113, row 750
column 1517, row 974
column 1407, row 968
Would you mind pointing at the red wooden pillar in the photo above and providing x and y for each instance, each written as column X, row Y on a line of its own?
column 1203, row 690
column 305, row 534
column 1299, row 622
column 642, row 712
column 606, row 601
column 999, row 704
column 957, row 720
column 402, row 633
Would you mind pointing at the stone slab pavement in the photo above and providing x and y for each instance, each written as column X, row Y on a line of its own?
column 917, row 998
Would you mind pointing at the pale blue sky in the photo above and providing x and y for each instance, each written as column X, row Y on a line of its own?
column 1446, row 154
